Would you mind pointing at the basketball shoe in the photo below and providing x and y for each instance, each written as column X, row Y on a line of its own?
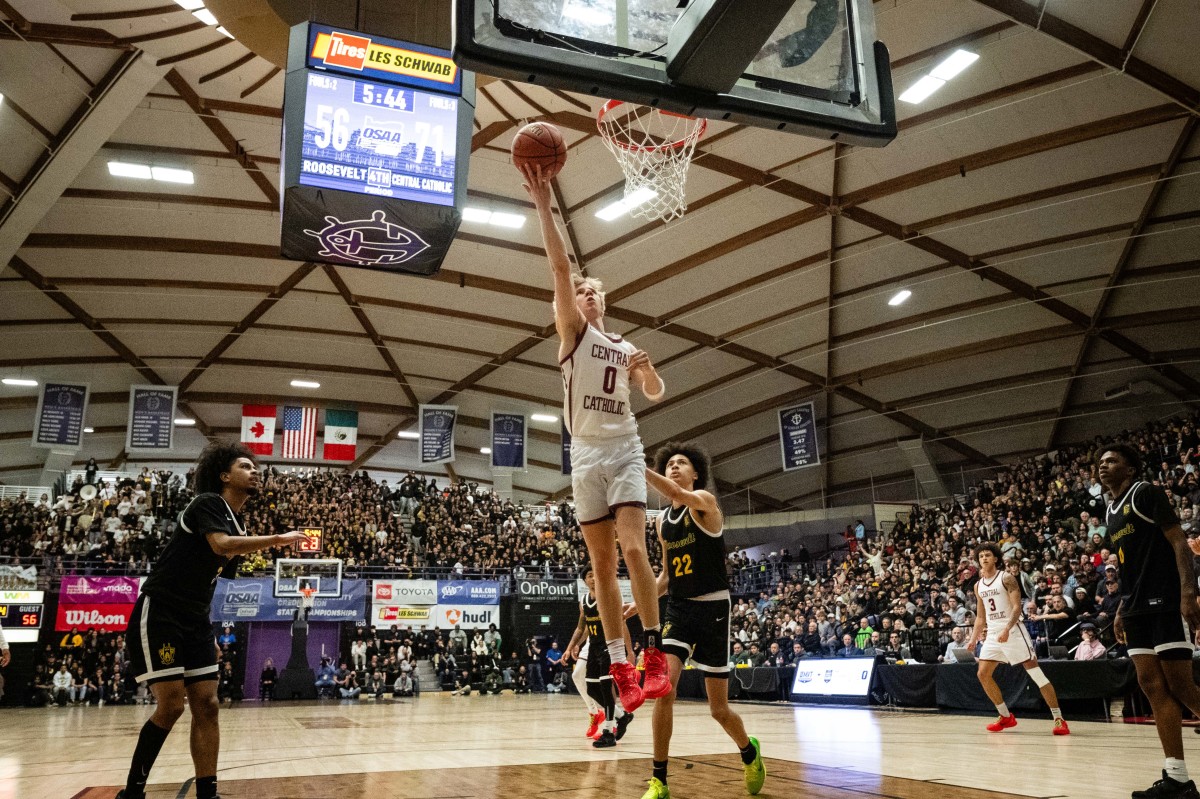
column 597, row 720
column 1167, row 788
column 756, row 772
column 657, row 790
column 605, row 739
column 1003, row 723
column 622, row 724
column 626, row 678
column 658, row 677
column 1061, row 728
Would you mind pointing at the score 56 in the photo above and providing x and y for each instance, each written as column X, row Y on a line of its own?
column 334, row 126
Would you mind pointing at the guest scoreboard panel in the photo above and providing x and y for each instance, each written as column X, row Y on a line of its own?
column 376, row 144
column 21, row 615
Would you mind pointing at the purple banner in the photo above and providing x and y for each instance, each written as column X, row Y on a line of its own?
column 99, row 590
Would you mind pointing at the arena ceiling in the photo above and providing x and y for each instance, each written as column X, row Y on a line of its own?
column 1043, row 208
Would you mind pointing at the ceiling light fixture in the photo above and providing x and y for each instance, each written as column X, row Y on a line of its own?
column 921, row 90
column 955, row 63
column 18, row 381
column 190, row 5
column 621, row 207
column 121, row 169
column 899, row 297
column 543, row 417
column 169, row 175
column 222, row 30
column 183, row 421
column 408, row 434
column 305, row 384
column 485, row 450
column 89, row 429
column 1, row 99
column 205, row 16
column 500, row 219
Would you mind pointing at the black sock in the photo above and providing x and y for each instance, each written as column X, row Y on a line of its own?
column 749, row 753
column 660, row 771
column 150, row 743
column 653, row 638
column 206, row 788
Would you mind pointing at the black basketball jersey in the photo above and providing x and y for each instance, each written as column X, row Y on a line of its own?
column 186, row 572
column 1149, row 573
column 695, row 557
column 591, row 623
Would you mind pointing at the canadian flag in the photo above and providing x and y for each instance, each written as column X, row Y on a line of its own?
column 258, row 428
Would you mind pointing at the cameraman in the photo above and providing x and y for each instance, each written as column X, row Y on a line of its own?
column 533, row 657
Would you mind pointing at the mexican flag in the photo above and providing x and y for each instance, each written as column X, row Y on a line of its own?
column 341, row 435
column 258, row 428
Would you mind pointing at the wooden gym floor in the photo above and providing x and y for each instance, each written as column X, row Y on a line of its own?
column 506, row 747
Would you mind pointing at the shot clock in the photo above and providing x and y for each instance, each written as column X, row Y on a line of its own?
column 377, row 137
column 314, row 543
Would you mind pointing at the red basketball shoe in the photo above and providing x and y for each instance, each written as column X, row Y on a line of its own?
column 1002, row 723
column 626, row 678
column 597, row 720
column 1061, row 728
column 657, row 682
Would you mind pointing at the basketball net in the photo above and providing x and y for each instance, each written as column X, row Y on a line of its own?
column 654, row 149
column 306, row 599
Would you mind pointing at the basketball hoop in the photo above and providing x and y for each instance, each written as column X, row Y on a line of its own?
column 654, row 149
column 306, row 599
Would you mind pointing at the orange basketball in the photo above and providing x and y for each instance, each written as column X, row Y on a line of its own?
column 540, row 143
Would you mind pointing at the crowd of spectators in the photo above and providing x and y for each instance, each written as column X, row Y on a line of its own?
column 908, row 593
column 410, row 529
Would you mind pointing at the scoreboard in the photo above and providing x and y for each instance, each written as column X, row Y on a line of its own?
column 21, row 615
column 314, row 543
column 376, row 142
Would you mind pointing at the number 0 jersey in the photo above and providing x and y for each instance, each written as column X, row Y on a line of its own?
column 993, row 600
column 695, row 557
column 596, row 386
column 1149, row 574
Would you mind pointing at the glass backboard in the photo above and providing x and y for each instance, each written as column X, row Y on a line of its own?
column 322, row 574
column 820, row 73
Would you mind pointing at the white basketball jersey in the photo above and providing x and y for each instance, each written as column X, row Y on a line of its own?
column 596, row 386
column 994, row 602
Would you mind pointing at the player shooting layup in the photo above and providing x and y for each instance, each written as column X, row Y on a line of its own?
column 608, row 469
column 1007, row 640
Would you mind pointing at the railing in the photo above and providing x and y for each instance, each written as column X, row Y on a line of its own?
column 32, row 493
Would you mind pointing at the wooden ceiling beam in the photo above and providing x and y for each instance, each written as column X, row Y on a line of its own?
column 133, row 13
column 195, row 152
column 170, row 198
column 47, row 33
column 258, row 84
column 225, row 70
column 1097, row 49
column 218, row 129
column 1118, row 271
column 188, row 55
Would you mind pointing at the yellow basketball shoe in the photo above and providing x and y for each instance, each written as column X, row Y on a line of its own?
column 756, row 772
column 657, row 790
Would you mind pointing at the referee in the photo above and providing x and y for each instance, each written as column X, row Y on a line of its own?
column 1158, row 614
column 170, row 640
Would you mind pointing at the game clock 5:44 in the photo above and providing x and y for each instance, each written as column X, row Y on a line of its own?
column 315, row 541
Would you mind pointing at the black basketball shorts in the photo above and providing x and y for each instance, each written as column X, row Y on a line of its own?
column 598, row 663
column 1164, row 634
column 165, row 644
column 698, row 630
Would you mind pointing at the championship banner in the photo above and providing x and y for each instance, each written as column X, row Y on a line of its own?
column 108, row 617
column 405, row 592
column 255, row 600
column 798, row 436
column 151, row 424
column 566, row 449
column 60, row 411
column 98, row 590
column 436, row 442
column 510, row 440
column 445, row 617
column 468, row 592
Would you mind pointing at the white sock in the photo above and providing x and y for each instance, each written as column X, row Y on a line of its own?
column 1002, row 709
column 1176, row 770
column 1056, row 713
column 616, row 650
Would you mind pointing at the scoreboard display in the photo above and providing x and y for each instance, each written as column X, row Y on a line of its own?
column 377, row 137
column 21, row 615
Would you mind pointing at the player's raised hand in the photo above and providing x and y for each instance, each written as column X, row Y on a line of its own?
column 537, row 184
column 639, row 360
column 291, row 537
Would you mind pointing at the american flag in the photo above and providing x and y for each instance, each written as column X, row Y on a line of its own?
column 299, row 432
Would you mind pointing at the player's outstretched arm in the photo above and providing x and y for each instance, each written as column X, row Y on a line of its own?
column 228, row 545
column 567, row 317
column 642, row 373
column 700, row 501
column 1187, row 575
